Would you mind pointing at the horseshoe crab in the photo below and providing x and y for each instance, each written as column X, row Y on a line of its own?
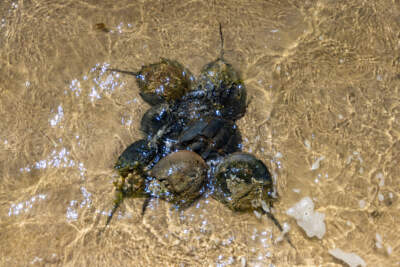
column 135, row 157
column 185, row 115
column 242, row 182
column 191, row 141
column 157, row 118
column 210, row 137
column 223, row 86
column 162, row 82
column 178, row 178
column 131, row 166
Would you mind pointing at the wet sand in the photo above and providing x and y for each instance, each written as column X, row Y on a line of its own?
column 323, row 82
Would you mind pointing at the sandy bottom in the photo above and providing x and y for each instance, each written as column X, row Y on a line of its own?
column 324, row 116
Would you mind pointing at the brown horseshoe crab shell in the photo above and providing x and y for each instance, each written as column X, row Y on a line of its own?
column 243, row 182
column 179, row 178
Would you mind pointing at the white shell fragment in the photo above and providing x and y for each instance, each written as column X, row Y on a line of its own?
column 258, row 215
column 264, row 206
column 378, row 242
column 311, row 221
column 316, row 163
column 362, row 203
column 352, row 259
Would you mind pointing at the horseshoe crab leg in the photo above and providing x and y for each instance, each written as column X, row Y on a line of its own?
column 145, row 204
column 276, row 222
column 117, row 203
column 221, row 55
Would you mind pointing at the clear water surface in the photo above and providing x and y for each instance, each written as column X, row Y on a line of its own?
column 323, row 80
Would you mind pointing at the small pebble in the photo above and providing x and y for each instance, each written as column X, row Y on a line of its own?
column 389, row 250
column 258, row 215
column 362, row 203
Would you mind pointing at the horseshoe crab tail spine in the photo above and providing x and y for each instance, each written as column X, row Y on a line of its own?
column 276, row 222
column 145, row 205
column 124, row 71
column 117, row 202
column 221, row 55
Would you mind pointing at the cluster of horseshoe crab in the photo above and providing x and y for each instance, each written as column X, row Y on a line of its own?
column 191, row 142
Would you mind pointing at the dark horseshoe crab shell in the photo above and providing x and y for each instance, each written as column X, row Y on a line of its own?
column 242, row 182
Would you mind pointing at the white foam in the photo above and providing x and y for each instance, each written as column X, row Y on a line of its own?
column 311, row 221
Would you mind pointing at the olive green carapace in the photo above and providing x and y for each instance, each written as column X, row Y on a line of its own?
column 179, row 178
column 221, row 81
column 135, row 157
column 219, row 73
column 132, row 177
column 131, row 169
column 165, row 81
column 242, row 182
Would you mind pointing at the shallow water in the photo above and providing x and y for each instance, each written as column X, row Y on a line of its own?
column 323, row 80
